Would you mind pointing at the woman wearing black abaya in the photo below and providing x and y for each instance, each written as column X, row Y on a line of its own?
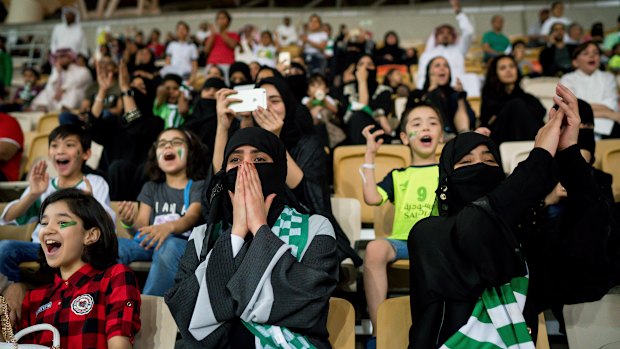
column 457, row 115
column 391, row 52
column 509, row 112
column 467, row 265
column 245, row 278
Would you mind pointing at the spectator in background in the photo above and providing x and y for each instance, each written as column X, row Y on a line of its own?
column 239, row 74
column 286, row 33
column 102, row 97
column 314, row 42
column 509, row 112
column 557, row 16
column 203, row 117
column 144, row 64
column 391, row 52
column 443, row 42
column 526, row 66
column 597, row 34
column 614, row 62
column 494, row 42
column 575, row 34
column 215, row 72
column 22, row 99
column 66, row 86
column 203, row 33
column 172, row 101
column 220, row 46
column 535, row 38
column 154, row 44
column 181, row 55
column 612, row 39
column 265, row 50
column 6, row 66
column 11, row 148
column 69, row 33
column 594, row 86
column 556, row 57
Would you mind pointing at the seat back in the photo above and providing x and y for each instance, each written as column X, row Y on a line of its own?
column 514, row 152
column 611, row 164
column 393, row 323
column 16, row 232
column 158, row 331
column 543, row 87
column 37, row 151
column 348, row 214
column 341, row 324
column 602, row 147
column 347, row 161
column 594, row 324
column 47, row 123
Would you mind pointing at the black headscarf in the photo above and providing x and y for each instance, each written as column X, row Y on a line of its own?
column 462, row 186
column 372, row 76
column 291, row 131
column 214, row 82
column 244, row 69
column 272, row 176
column 298, row 83
column 275, row 72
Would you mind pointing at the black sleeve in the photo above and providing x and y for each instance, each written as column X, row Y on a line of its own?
column 383, row 101
column 387, row 184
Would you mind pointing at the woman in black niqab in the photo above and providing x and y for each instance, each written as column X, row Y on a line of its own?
column 472, row 246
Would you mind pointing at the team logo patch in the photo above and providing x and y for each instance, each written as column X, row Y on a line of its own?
column 83, row 304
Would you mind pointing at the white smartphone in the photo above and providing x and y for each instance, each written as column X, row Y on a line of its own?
column 284, row 58
column 250, row 100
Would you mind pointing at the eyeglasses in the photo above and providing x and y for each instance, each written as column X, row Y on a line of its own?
column 175, row 142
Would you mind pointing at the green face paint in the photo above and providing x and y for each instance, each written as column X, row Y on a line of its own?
column 181, row 153
column 412, row 135
column 67, row 224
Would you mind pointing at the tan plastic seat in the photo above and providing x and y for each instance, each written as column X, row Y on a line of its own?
column 610, row 163
column 158, row 331
column 347, row 212
column 47, row 123
column 347, row 161
column 341, row 324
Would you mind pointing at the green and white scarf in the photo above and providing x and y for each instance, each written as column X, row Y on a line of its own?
column 496, row 321
column 292, row 228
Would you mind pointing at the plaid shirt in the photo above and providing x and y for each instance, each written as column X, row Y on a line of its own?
column 89, row 308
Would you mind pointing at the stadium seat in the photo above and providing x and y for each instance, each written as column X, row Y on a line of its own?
column 347, row 161
column 47, row 123
column 341, row 324
column 15, row 232
column 158, row 331
column 393, row 323
column 38, row 151
column 602, row 147
column 512, row 153
column 348, row 214
column 594, row 324
column 610, row 163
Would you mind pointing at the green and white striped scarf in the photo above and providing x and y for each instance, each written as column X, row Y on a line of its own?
column 496, row 321
column 292, row 228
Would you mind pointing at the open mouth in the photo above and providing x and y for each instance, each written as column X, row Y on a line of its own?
column 52, row 246
column 169, row 156
column 426, row 140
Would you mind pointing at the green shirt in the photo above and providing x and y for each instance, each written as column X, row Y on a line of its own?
column 169, row 113
column 6, row 69
column 412, row 191
column 497, row 41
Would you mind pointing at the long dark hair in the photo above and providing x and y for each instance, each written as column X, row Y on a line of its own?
column 427, row 81
column 197, row 152
column 492, row 85
column 104, row 252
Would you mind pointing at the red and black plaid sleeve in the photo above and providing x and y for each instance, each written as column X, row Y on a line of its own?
column 122, row 303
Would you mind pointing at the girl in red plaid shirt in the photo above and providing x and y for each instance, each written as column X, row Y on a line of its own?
column 94, row 302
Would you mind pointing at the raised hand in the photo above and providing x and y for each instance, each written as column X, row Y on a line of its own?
column 89, row 187
column 548, row 136
column 361, row 74
column 268, row 121
column 104, row 79
column 570, row 127
column 256, row 205
column 240, row 225
column 38, row 179
column 224, row 113
column 372, row 144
